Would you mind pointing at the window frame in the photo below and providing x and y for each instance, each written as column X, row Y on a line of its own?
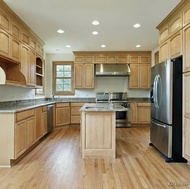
column 55, row 63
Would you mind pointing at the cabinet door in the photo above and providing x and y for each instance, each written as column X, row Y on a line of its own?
column 164, row 34
column 20, row 138
column 186, row 48
column 186, row 116
column 25, row 62
column 30, row 132
column 62, row 116
column 4, row 22
column 15, row 49
column 176, row 45
column 89, row 75
column 143, row 112
column 134, row 59
column 32, row 68
column 39, row 123
column 134, row 77
column 133, row 112
column 4, row 44
column 186, row 14
column 144, row 79
column 78, row 74
column 44, row 123
column 164, row 51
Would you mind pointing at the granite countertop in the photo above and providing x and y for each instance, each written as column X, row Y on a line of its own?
column 102, row 107
column 21, row 105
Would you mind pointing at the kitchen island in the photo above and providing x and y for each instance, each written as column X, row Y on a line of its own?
column 98, row 130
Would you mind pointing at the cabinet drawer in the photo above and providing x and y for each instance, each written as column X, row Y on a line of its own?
column 62, row 104
column 75, row 119
column 25, row 114
column 75, row 110
column 44, row 108
column 143, row 104
column 79, row 104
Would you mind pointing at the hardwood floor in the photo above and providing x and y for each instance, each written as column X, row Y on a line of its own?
column 56, row 163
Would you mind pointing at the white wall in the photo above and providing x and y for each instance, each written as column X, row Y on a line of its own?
column 8, row 93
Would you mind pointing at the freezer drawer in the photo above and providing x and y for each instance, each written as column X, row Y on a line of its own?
column 161, row 137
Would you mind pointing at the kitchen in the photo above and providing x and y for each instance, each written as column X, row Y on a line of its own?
column 136, row 180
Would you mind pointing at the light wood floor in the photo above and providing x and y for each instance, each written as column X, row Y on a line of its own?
column 56, row 164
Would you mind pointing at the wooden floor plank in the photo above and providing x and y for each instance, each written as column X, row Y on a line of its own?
column 56, row 163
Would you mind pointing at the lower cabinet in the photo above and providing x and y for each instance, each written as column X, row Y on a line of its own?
column 24, row 131
column 41, row 122
column 75, row 113
column 62, row 114
column 140, row 113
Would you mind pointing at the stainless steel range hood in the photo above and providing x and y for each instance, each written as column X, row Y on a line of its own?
column 119, row 70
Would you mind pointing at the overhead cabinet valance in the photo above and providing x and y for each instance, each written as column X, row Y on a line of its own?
column 112, row 57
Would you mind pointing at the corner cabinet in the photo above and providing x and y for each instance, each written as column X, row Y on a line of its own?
column 140, row 112
column 84, row 76
column 62, row 114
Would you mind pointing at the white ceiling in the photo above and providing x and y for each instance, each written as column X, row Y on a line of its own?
column 75, row 17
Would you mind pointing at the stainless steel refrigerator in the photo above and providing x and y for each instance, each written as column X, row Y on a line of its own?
column 166, row 109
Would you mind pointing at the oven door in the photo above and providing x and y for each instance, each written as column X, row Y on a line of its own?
column 123, row 118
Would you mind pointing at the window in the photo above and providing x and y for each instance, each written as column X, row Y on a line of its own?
column 63, row 78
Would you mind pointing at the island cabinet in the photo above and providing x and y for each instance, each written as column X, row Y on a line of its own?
column 140, row 113
column 98, row 134
column 84, row 76
column 62, row 114
column 75, row 113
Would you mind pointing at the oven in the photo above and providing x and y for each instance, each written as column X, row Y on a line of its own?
column 118, row 99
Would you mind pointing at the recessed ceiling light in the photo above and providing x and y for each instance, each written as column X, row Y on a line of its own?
column 60, row 31
column 95, row 33
column 138, row 46
column 136, row 25
column 68, row 46
column 95, row 22
column 103, row 46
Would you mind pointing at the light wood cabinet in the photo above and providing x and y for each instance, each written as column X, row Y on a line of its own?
column 98, row 140
column 4, row 44
column 24, row 131
column 100, row 59
column 44, row 120
column 186, row 14
column 16, row 41
column 15, row 49
column 62, row 114
column 140, row 113
column 39, row 123
column 143, row 113
column 84, row 59
column 39, row 71
column 186, row 116
column 30, row 131
column 140, row 76
column 164, row 34
column 4, row 21
column 84, row 75
column 75, row 113
column 20, row 138
column 164, row 51
column 186, row 48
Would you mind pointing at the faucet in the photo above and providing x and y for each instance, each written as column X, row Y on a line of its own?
column 53, row 96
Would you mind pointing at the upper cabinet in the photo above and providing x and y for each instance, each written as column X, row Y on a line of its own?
column 19, row 47
column 140, row 62
column 171, row 31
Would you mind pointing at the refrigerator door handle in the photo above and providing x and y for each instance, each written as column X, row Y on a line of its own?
column 155, row 91
column 160, row 125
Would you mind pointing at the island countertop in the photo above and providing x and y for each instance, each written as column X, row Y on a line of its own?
column 102, row 107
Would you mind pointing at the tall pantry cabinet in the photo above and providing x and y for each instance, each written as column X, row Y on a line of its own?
column 175, row 41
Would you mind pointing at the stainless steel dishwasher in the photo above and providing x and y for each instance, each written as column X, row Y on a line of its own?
column 49, row 118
